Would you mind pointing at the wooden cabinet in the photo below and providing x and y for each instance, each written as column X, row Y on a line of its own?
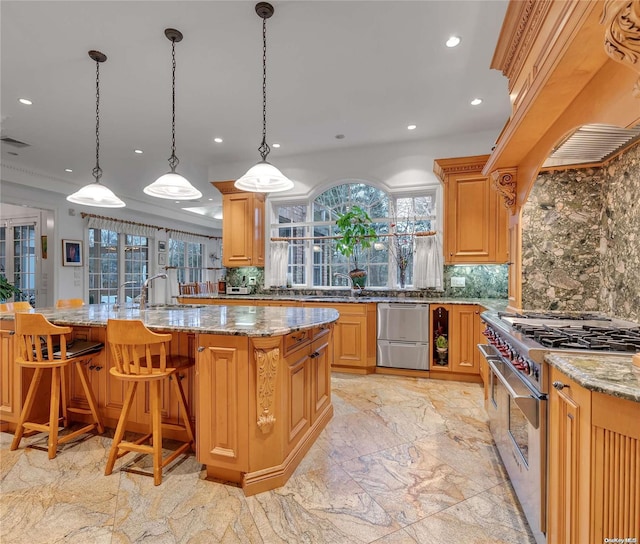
column 262, row 402
column 242, row 226
column 9, row 383
column 594, row 454
column 354, row 337
column 464, row 334
column 475, row 218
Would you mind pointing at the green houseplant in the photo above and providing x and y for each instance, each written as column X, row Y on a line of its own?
column 7, row 290
column 356, row 233
column 442, row 347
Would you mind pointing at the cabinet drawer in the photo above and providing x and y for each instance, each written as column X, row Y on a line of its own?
column 296, row 340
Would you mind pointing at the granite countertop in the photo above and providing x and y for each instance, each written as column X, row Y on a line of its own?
column 491, row 303
column 610, row 374
column 210, row 319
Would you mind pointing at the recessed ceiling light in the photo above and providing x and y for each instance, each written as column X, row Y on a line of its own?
column 25, row 101
column 412, row 127
column 476, row 101
column 452, row 41
column 138, row 151
column 68, row 170
column 276, row 145
column 217, row 140
column 211, row 199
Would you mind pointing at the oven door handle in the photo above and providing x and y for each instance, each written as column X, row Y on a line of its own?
column 489, row 352
column 527, row 403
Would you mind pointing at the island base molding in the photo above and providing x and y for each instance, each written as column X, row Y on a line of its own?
column 270, row 478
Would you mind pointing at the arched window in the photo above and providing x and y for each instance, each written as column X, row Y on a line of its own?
column 313, row 259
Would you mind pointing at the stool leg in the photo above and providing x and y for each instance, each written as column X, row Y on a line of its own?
column 54, row 412
column 91, row 399
column 117, row 438
column 26, row 409
column 182, row 403
column 156, row 431
column 65, row 396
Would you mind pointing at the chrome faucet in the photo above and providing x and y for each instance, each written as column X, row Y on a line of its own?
column 121, row 301
column 353, row 288
column 145, row 289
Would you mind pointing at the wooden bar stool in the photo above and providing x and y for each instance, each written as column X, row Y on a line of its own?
column 140, row 356
column 19, row 306
column 35, row 348
column 69, row 303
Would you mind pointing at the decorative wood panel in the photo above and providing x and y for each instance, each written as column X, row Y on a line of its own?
column 222, row 427
column 615, row 470
column 320, row 374
column 8, row 377
column 297, row 400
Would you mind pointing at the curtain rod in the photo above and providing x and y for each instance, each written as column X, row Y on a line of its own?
column 94, row 216
column 287, row 238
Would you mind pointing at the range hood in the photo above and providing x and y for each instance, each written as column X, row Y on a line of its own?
column 591, row 144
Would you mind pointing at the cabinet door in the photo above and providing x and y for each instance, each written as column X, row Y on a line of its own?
column 222, row 426
column 463, row 339
column 297, row 397
column 569, row 459
column 350, row 341
column 9, row 375
column 95, row 369
column 243, row 229
column 320, row 364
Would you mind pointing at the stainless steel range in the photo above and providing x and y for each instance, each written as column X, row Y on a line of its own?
column 519, row 384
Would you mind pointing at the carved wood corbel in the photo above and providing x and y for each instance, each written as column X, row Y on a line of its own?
column 504, row 181
column 267, row 357
column 622, row 34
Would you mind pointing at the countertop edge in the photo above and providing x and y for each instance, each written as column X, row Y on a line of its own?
column 620, row 366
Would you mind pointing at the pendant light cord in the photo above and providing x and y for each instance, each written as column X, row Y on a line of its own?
column 264, row 148
column 97, row 171
column 173, row 160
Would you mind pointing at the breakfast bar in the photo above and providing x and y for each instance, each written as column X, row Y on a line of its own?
column 260, row 394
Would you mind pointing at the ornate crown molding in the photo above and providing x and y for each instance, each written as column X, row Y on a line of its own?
column 622, row 34
column 504, row 181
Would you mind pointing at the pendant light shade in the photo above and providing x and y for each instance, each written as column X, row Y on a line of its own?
column 96, row 194
column 172, row 185
column 264, row 177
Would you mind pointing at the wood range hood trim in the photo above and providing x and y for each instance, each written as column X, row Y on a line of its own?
column 559, row 59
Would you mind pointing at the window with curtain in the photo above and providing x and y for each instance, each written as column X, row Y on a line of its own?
column 18, row 259
column 116, row 260
column 313, row 263
column 188, row 259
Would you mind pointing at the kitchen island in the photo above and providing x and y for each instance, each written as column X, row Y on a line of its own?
column 260, row 395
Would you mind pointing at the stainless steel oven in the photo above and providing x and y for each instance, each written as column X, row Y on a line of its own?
column 517, row 419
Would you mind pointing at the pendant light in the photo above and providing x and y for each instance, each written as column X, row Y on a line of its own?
column 172, row 185
column 96, row 194
column 264, row 177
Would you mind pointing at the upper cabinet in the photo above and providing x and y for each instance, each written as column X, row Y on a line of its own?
column 475, row 217
column 242, row 226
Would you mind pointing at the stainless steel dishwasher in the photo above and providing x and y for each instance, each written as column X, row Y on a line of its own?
column 403, row 335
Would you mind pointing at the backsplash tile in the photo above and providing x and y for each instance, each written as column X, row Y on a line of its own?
column 580, row 234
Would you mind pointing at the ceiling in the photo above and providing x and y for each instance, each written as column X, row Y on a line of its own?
column 362, row 69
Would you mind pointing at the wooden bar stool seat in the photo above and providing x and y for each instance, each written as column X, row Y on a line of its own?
column 141, row 356
column 36, row 348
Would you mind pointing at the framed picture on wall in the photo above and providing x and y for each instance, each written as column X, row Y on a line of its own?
column 162, row 246
column 71, row 253
column 162, row 259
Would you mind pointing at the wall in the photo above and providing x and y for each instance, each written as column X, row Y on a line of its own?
column 580, row 232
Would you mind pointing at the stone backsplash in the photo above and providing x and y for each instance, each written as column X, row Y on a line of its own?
column 481, row 281
column 580, row 233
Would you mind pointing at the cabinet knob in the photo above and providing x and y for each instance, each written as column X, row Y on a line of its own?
column 559, row 385
column 200, row 349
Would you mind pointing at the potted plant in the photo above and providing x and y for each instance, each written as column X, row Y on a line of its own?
column 7, row 290
column 355, row 234
column 442, row 347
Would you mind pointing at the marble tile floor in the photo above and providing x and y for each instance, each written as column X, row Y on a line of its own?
column 403, row 461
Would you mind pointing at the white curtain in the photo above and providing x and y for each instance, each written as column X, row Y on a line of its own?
column 279, row 263
column 122, row 226
column 188, row 237
column 427, row 262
